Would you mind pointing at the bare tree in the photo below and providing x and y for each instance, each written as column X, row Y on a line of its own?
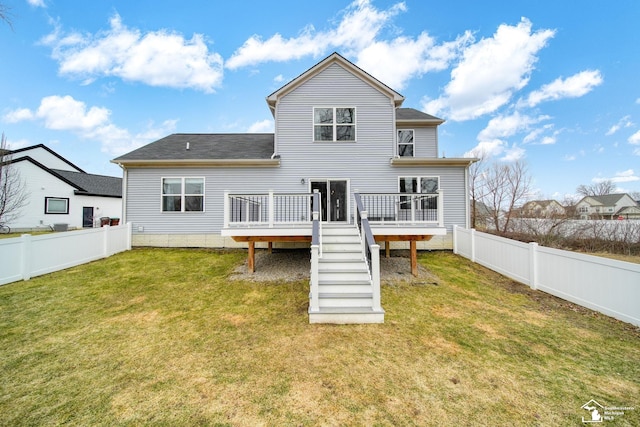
column 598, row 189
column 507, row 186
column 5, row 14
column 13, row 195
column 477, row 190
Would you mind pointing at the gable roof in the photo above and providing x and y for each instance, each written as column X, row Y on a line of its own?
column 205, row 149
column 49, row 150
column 93, row 185
column 607, row 199
column 85, row 184
column 334, row 58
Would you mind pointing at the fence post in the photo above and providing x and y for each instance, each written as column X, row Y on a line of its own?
column 473, row 245
column 129, row 235
column 26, row 256
column 455, row 239
column 105, row 248
column 533, row 265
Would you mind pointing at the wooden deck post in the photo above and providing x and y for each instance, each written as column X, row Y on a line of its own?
column 414, row 258
column 270, row 247
column 251, row 261
column 387, row 249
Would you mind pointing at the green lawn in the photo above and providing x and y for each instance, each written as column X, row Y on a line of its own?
column 164, row 337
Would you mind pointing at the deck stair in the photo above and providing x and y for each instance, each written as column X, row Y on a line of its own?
column 345, row 286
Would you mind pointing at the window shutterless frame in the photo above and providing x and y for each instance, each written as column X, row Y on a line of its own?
column 405, row 146
column 182, row 194
column 56, row 205
column 418, row 184
column 334, row 124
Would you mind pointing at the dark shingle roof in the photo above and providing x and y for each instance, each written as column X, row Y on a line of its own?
column 206, row 146
column 413, row 115
column 95, row 185
column 609, row 199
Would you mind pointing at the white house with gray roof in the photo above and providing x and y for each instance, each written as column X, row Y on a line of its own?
column 338, row 132
column 59, row 192
column 608, row 206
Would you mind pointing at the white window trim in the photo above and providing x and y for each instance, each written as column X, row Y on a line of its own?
column 335, row 124
column 183, row 180
column 398, row 142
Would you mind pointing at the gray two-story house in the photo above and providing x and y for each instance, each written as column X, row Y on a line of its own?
column 339, row 132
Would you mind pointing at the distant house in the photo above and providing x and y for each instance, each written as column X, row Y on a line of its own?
column 59, row 192
column 609, row 206
column 542, row 209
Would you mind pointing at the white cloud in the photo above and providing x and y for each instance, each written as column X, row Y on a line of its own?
column 356, row 34
column 14, row 144
column 261, row 127
column 64, row 113
column 357, row 29
column 18, row 115
column 624, row 122
column 397, row 61
column 279, row 78
column 159, row 58
column 36, row 3
column 513, row 154
column 490, row 71
column 635, row 138
column 492, row 140
column 572, row 87
column 625, row 176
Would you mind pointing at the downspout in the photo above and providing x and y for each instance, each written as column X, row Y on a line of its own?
column 124, row 194
column 467, row 194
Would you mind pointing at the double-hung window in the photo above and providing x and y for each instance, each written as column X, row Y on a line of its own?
column 183, row 194
column 405, row 143
column 427, row 188
column 334, row 124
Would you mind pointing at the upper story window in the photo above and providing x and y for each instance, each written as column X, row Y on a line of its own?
column 405, row 143
column 334, row 124
column 182, row 194
column 56, row 205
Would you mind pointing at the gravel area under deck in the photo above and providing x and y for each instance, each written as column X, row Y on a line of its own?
column 289, row 265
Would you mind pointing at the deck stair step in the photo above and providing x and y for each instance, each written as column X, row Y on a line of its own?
column 345, row 286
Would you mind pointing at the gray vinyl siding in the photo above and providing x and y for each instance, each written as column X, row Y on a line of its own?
column 365, row 163
column 425, row 140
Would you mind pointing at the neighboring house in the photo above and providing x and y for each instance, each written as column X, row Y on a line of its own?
column 542, row 209
column 609, row 206
column 338, row 131
column 59, row 192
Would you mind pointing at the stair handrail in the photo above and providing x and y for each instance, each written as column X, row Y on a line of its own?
column 371, row 248
column 316, row 254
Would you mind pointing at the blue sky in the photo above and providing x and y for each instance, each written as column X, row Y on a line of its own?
column 552, row 82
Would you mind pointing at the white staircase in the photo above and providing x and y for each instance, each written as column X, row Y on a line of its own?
column 345, row 288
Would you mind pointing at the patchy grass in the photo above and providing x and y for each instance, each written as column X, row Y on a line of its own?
column 162, row 337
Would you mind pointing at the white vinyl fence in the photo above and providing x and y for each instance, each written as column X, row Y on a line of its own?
column 28, row 256
column 608, row 286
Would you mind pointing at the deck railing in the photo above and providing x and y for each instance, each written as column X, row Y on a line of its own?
column 404, row 208
column 267, row 209
column 370, row 247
